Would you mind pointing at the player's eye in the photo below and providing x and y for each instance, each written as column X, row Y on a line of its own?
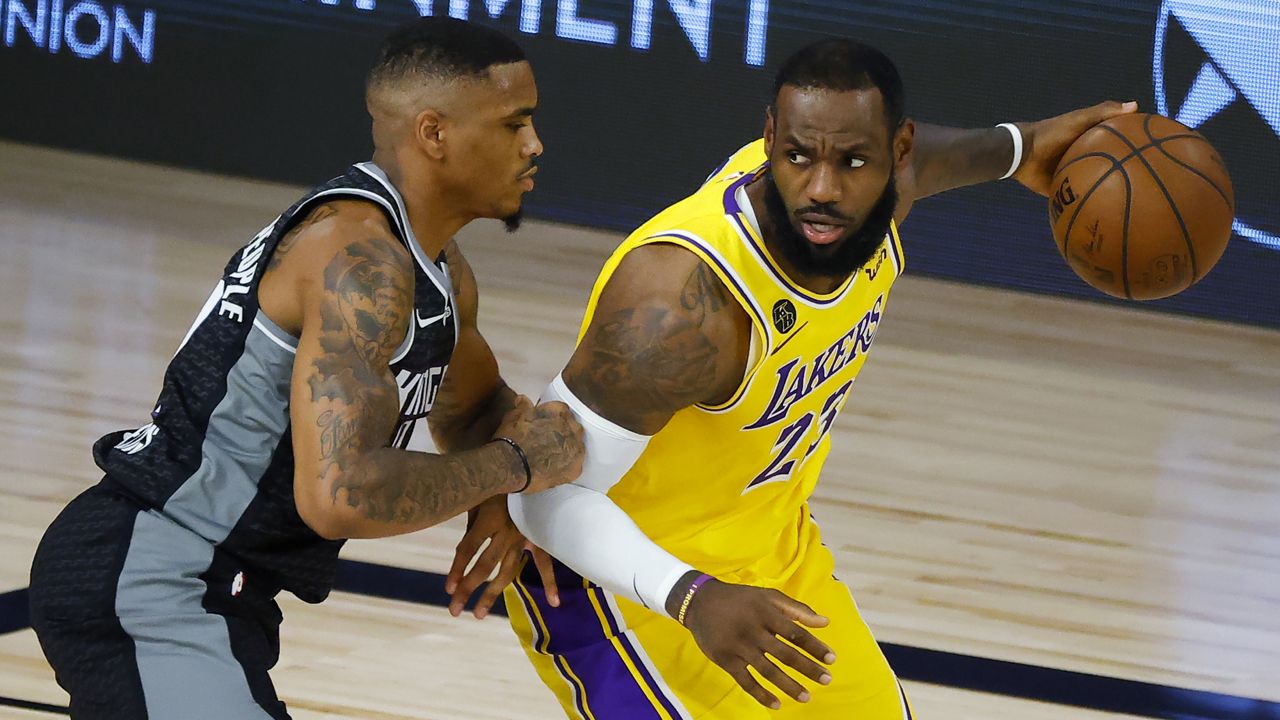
column 796, row 158
column 856, row 162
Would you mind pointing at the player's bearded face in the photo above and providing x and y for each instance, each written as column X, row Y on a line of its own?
column 842, row 257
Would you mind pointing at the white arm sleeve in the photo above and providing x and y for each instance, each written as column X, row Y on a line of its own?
column 579, row 525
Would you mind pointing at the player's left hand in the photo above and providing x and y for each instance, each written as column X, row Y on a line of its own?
column 491, row 522
column 1046, row 141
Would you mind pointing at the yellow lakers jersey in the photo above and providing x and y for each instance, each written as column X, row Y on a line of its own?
column 725, row 487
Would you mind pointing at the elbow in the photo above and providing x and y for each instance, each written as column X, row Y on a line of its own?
column 328, row 525
column 329, row 529
column 323, row 516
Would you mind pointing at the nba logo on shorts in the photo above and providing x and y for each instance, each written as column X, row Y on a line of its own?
column 1216, row 69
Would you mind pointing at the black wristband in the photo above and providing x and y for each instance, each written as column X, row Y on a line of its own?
column 524, row 460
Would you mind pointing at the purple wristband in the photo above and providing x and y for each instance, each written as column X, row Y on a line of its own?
column 688, row 595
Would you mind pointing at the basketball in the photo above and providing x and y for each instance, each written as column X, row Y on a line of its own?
column 1141, row 207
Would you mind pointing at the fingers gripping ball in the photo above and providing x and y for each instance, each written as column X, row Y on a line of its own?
column 1141, row 207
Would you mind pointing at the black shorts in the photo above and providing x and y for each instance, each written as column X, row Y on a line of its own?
column 143, row 619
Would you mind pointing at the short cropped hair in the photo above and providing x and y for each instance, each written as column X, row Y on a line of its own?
column 841, row 64
column 441, row 48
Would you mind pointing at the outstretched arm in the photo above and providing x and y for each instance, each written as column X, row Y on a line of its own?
column 945, row 158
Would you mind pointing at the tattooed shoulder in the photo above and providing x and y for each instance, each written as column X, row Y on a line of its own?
column 368, row 299
column 286, row 244
column 703, row 293
column 652, row 351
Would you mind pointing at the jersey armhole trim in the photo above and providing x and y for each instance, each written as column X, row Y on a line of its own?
column 895, row 248
column 275, row 333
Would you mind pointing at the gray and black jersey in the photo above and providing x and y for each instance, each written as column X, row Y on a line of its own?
column 216, row 457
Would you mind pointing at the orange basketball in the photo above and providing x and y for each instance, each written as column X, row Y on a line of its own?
column 1141, row 207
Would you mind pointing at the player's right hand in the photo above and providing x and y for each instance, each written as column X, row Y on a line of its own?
column 735, row 625
column 551, row 438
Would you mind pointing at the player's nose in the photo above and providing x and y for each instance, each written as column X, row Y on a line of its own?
column 823, row 187
column 533, row 148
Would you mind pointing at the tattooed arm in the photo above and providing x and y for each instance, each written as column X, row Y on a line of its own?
column 473, row 398
column 350, row 295
column 666, row 334
column 654, row 348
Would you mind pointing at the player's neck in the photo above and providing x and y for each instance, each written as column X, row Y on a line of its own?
column 433, row 224
column 818, row 284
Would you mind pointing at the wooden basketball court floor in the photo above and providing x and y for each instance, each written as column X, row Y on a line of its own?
column 1062, row 485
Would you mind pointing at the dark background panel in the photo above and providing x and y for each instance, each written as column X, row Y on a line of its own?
column 272, row 89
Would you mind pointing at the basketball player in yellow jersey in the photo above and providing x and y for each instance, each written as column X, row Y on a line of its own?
column 720, row 343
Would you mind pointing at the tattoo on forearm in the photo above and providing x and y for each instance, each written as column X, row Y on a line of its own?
column 384, row 489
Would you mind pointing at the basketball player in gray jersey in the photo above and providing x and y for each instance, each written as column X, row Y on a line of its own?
column 336, row 340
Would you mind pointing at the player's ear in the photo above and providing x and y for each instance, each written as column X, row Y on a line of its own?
column 429, row 133
column 903, row 140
